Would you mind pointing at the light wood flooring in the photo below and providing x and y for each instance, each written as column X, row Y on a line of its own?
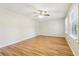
column 38, row 46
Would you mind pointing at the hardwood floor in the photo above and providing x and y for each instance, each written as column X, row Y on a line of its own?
column 38, row 46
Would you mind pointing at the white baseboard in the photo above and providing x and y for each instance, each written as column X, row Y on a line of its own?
column 73, row 45
column 18, row 41
column 52, row 35
column 22, row 39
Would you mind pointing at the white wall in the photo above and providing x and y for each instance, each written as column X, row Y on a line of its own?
column 53, row 27
column 15, row 27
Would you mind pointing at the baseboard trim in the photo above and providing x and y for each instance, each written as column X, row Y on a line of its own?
column 73, row 45
column 18, row 41
column 26, row 39
column 53, row 36
column 70, row 46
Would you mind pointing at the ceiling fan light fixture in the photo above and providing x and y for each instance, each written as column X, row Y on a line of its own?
column 40, row 16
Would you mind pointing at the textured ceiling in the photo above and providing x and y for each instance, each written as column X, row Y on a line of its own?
column 56, row 10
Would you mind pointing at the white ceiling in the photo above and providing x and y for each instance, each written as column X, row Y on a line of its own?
column 56, row 10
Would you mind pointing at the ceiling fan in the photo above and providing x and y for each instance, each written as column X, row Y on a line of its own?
column 42, row 13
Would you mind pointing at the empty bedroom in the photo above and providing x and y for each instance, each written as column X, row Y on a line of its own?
column 39, row 29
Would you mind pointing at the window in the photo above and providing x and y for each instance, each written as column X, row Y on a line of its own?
column 74, row 25
column 73, row 21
